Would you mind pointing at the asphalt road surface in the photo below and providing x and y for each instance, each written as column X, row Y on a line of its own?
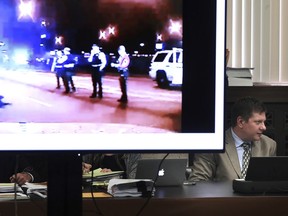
column 28, row 97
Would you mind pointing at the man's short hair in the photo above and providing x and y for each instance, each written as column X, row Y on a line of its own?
column 245, row 107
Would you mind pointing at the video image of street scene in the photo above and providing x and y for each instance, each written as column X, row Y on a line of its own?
column 41, row 93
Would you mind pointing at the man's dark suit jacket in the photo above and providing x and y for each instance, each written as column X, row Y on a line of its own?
column 11, row 163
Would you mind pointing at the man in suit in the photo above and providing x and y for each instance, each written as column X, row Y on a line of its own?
column 248, row 118
column 18, row 168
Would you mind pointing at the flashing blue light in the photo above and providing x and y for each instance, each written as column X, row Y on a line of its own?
column 159, row 46
column 21, row 56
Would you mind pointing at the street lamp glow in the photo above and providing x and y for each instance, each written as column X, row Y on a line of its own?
column 26, row 9
column 58, row 40
column 111, row 30
column 102, row 35
column 175, row 27
column 159, row 37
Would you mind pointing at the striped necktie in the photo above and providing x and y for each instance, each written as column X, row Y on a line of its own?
column 245, row 158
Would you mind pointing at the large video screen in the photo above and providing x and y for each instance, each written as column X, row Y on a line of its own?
column 174, row 81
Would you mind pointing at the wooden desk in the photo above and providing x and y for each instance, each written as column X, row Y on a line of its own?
column 203, row 199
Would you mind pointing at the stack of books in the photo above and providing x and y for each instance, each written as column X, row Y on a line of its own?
column 131, row 188
column 37, row 189
column 9, row 191
column 10, row 187
column 239, row 76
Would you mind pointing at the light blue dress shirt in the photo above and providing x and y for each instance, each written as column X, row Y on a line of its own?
column 239, row 148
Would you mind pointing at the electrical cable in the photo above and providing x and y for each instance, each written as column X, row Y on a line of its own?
column 91, row 188
column 153, row 186
column 16, row 188
column 15, row 185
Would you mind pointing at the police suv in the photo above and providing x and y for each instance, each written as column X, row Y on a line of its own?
column 167, row 67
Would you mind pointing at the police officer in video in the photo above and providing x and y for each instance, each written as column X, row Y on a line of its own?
column 98, row 62
column 122, row 66
column 64, row 67
column 69, row 72
column 57, row 66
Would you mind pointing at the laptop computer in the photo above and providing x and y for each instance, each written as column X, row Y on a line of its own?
column 170, row 173
column 264, row 175
column 267, row 169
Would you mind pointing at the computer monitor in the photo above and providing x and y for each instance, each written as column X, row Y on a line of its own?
column 36, row 117
column 161, row 115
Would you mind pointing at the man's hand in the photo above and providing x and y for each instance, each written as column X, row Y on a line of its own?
column 105, row 170
column 21, row 178
column 86, row 167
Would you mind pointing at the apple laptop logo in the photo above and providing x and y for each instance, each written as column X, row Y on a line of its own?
column 161, row 172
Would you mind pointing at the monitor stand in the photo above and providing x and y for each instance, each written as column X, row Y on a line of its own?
column 64, row 184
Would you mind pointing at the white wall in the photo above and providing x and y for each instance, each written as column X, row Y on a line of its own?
column 257, row 37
